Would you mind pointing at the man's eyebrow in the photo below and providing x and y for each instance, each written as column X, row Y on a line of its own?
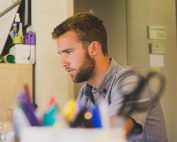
column 66, row 50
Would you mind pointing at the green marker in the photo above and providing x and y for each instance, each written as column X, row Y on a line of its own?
column 8, row 58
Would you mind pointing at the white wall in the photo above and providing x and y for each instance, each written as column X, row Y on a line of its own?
column 113, row 14
column 50, row 77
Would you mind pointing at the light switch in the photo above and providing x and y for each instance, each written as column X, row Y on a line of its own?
column 157, row 32
column 156, row 48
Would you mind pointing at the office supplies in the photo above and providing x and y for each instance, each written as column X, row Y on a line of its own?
column 83, row 119
column 50, row 117
column 49, row 134
column 30, row 38
column 70, row 110
column 28, row 108
column 96, row 117
column 19, row 121
column 8, row 58
column 17, row 30
column 24, row 54
column 60, row 122
column 51, row 103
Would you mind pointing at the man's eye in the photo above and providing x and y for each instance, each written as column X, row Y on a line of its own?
column 68, row 51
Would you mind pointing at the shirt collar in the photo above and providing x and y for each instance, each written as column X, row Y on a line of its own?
column 104, row 84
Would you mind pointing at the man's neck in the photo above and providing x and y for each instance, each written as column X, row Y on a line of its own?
column 99, row 72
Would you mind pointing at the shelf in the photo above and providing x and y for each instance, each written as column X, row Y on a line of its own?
column 13, row 77
column 15, row 66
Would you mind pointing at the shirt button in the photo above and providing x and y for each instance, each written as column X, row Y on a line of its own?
column 94, row 89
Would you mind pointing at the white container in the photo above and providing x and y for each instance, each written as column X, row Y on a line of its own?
column 48, row 134
column 24, row 54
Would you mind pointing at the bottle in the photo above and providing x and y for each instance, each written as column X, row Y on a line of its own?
column 17, row 30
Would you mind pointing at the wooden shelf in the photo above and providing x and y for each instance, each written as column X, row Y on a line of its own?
column 15, row 66
column 12, row 79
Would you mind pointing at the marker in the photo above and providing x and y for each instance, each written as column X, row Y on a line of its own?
column 96, row 117
column 70, row 110
column 83, row 119
column 28, row 108
column 50, row 117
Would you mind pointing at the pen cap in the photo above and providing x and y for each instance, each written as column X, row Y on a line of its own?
column 30, row 38
column 96, row 117
column 70, row 110
column 17, row 17
column 8, row 58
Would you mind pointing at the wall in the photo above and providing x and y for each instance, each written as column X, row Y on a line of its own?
column 157, row 13
column 50, row 78
column 114, row 18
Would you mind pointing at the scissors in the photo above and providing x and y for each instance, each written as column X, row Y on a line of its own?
column 141, row 83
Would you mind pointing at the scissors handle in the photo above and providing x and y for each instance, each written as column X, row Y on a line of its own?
column 161, row 81
column 130, row 99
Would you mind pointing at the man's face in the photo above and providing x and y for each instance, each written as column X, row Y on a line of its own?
column 74, row 58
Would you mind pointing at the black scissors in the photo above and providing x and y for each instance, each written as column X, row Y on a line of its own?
column 141, row 83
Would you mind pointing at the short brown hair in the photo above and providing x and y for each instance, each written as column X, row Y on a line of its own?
column 88, row 27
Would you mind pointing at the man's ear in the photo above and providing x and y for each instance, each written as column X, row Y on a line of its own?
column 94, row 48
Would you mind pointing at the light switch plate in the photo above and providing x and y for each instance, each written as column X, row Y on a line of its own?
column 157, row 48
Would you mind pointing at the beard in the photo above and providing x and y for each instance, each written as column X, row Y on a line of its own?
column 86, row 69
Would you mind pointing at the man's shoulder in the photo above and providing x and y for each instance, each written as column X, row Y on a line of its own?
column 126, row 70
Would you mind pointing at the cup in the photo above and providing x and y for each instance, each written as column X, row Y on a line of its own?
column 6, row 127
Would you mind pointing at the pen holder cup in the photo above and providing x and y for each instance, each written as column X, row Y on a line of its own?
column 48, row 134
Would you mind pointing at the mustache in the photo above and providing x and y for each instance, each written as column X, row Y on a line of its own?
column 68, row 69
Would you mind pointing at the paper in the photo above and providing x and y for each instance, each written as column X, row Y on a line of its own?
column 156, row 60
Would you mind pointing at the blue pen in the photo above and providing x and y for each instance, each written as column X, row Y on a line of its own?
column 96, row 117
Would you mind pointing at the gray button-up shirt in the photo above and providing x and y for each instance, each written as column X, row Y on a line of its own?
column 150, row 119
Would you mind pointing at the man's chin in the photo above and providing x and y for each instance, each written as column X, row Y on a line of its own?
column 73, row 79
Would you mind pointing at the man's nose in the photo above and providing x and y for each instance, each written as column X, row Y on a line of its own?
column 64, row 61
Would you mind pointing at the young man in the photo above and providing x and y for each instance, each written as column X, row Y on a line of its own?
column 82, row 45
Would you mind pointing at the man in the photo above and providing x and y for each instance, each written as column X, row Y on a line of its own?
column 82, row 44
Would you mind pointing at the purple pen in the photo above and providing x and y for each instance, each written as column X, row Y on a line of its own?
column 28, row 109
